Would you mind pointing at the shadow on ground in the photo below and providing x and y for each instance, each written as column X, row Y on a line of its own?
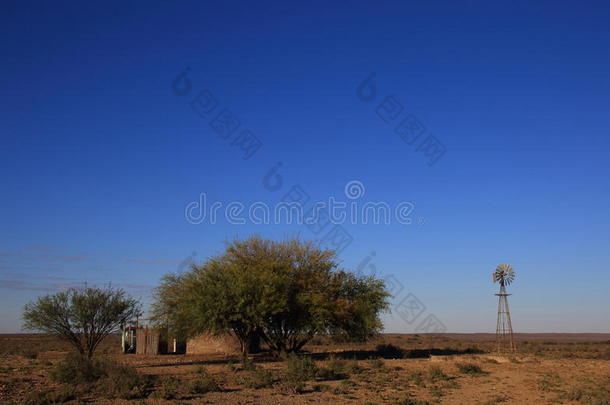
column 267, row 357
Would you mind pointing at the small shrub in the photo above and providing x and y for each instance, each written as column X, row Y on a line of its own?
column 377, row 364
column 30, row 354
column 337, row 365
column 412, row 401
column 336, row 370
column 321, row 388
column 111, row 379
column 301, row 368
column 435, row 373
column 469, row 368
column 327, row 374
column 204, row 384
column 290, row 386
column 549, row 382
column 169, row 388
column 75, row 370
column 298, row 370
column 341, row 389
column 417, row 377
column 450, row 384
column 588, row 394
column 352, row 367
column 497, row 400
column 260, row 378
column 121, row 381
column 436, row 392
column 48, row 397
column 389, row 351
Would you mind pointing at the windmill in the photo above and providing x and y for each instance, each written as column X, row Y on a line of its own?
column 504, row 275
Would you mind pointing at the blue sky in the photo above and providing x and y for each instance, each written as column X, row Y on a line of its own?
column 99, row 157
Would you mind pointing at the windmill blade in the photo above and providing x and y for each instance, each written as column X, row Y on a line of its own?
column 504, row 274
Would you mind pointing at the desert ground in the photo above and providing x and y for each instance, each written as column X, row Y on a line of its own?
column 393, row 369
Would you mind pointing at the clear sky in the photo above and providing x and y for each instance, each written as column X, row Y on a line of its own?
column 99, row 155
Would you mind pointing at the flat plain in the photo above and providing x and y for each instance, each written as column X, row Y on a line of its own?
column 392, row 369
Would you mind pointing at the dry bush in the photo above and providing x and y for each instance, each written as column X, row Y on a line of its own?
column 435, row 374
column 345, row 387
column 336, row 370
column 300, row 368
column 76, row 370
column 51, row 396
column 290, row 386
column 412, row 401
column 29, row 353
column 436, row 392
column 106, row 378
column 469, row 368
column 549, row 382
column 377, row 364
column 590, row 394
column 497, row 400
column 169, row 388
column 417, row 378
column 121, row 381
column 204, row 383
column 328, row 374
column 352, row 367
column 257, row 379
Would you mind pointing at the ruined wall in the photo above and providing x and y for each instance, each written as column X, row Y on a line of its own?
column 209, row 344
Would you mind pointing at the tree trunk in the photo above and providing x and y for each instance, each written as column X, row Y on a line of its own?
column 244, row 352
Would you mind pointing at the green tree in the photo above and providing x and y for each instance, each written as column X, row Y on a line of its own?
column 283, row 292
column 217, row 297
column 82, row 317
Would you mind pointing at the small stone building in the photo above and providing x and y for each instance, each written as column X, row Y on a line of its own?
column 145, row 340
column 151, row 341
column 208, row 343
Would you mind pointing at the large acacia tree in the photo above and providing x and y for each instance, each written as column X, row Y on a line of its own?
column 283, row 292
column 82, row 317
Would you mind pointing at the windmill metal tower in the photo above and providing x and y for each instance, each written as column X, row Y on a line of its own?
column 504, row 275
